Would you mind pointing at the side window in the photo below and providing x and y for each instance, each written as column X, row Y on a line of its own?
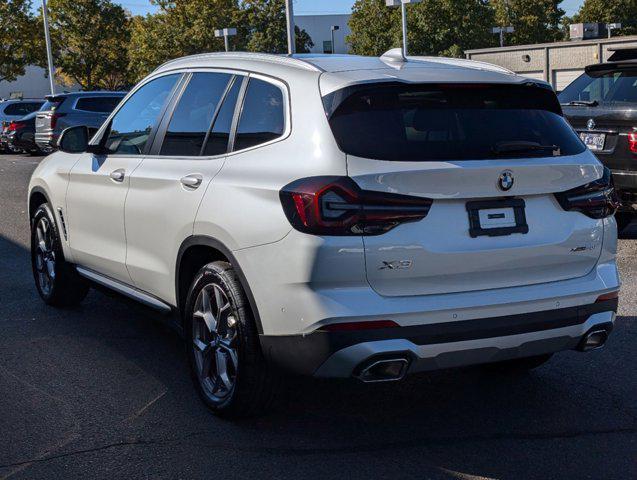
column 219, row 137
column 132, row 124
column 194, row 113
column 262, row 117
column 97, row 104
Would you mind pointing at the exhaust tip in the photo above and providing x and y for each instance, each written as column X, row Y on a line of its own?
column 593, row 340
column 385, row 370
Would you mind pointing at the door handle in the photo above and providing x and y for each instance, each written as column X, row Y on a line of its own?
column 118, row 175
column 192, row 181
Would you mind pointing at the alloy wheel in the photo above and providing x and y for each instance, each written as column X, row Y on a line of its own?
column 45, row 255
column 215, row 342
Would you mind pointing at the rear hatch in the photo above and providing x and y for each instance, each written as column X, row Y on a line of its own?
column 600, row 104
column 47, row 116
column 491, row 157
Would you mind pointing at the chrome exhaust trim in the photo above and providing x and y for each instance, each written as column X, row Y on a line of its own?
column 384, row 370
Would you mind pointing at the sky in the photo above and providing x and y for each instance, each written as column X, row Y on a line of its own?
column 314, row 7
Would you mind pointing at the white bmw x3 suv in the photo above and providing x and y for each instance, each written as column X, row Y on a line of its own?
column 335, row 216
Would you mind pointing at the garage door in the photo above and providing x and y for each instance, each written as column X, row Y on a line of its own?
column 562, row 78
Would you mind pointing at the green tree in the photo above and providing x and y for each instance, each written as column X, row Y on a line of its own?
column 610, row 11
column 89, row 38
column 19, row 38
column 535, row 21
column 374, row 27
column 449, row 27
column 266, row 28
column 180, row 28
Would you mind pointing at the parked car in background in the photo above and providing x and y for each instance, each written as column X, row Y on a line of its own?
column 20, row 135
column 601, row 105
column 337, row 216
column 72, row 109
column 11, row 110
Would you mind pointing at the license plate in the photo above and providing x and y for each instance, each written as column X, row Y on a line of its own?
column 496, row 217
column 594, row 141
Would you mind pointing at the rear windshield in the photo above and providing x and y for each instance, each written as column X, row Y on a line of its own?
column 52, row 104
column 97, row 104
column 395, row 121
column 618, row 87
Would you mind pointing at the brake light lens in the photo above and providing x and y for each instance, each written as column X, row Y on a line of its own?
column 338, row 206
column 632, row 142
column 597, row 199
column 608, row 296
column 54, row 119
column 15, row 126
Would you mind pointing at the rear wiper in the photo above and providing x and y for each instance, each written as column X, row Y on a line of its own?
column 521, row 147
column 581, row 103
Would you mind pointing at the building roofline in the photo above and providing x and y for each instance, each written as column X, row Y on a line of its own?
column 567, row 43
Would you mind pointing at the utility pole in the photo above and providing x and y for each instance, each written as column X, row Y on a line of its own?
column 289, row 11
column 501, row 31
column 403, row 14
column 333, row 28
column 47, row 38
column 226, row 33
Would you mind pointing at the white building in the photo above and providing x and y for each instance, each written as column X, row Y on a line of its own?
column 33, row 84
column 319, row 28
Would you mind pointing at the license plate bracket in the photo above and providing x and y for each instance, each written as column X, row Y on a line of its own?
column 594, row 141
column 500, row 209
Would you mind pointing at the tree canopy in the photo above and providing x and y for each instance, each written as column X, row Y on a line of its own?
column 90, row 40
column 19, row 38
column 610, row 11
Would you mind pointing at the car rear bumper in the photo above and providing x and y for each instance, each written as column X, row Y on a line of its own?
column 46, row 141
column 440, row 345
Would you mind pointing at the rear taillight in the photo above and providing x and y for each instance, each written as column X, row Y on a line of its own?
column 15, row 126
column 596, row 199
column 338, row 206
column 632, row 142
column 54, row 119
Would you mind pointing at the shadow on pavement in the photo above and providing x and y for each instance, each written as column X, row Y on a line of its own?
column 103, row 390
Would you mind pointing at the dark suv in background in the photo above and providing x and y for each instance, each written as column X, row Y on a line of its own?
column 69, row 110
column 601, row 105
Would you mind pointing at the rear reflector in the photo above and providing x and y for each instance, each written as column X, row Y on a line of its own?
column 354, row 326
column 608, row 296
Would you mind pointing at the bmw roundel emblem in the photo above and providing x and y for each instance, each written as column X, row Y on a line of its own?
column 591, row 124
column 505, row 181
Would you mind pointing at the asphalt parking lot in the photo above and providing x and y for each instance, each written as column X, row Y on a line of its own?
column 103, row 391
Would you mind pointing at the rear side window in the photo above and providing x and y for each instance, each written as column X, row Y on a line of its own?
column 132, row 124
column 619, row 87
column 194, row 113
column 262, row 116
column 449, row 122
column 22, row 108
column 97, row 104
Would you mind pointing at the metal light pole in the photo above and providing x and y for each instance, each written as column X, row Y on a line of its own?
column 289, row 12
column 225, row 33
column 333, row 28
column 501, row 31
column 47, row 38
column 403, row 13
column 612, row 26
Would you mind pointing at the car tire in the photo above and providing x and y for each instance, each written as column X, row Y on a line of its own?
column 57, row 282
column 222, row 342
column 623, row 219
column 519, row 365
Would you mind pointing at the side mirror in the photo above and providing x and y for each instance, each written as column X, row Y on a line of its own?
column 74, row 139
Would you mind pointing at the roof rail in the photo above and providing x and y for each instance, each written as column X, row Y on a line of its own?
column 263, row 57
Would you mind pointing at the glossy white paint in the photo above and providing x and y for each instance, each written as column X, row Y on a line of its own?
column 300, row 282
